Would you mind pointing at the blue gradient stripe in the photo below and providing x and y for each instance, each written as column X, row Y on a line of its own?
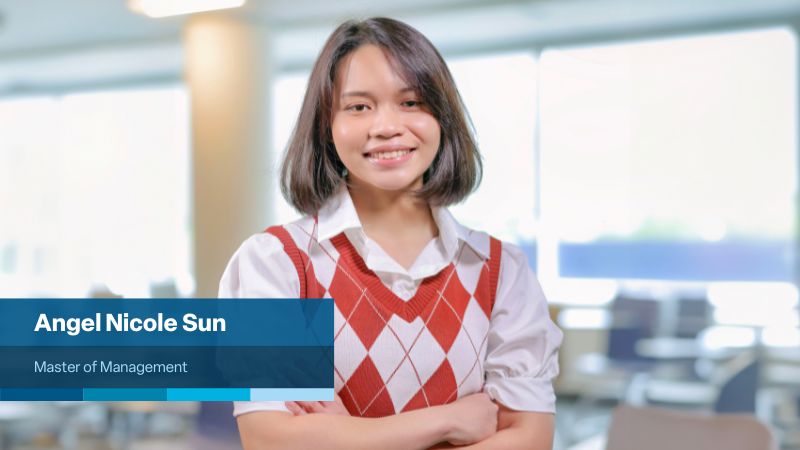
column 289, row 394
column 41, row 394
column 166, row 394
column 208, row 394
column 124, row 394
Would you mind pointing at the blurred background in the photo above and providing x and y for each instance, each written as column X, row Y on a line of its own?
column 643, row 153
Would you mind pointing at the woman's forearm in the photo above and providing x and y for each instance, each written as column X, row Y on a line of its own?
column 419, row 429
column 515, row 431
column 508, row 439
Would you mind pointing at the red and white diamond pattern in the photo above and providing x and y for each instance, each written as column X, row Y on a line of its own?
column 349, row 351
column 469, row 371
column 384, row 363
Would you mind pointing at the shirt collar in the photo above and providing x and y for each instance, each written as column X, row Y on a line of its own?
column 338, row 214
column 450, row 231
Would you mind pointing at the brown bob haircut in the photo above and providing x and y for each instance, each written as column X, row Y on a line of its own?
column 312, row 171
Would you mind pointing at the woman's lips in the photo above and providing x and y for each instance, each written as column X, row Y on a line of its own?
column 389, row 157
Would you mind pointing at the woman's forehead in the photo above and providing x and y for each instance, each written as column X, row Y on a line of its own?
column 369, row 69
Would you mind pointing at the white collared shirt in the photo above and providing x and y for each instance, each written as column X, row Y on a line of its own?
column 522, row 352
column 339, row 215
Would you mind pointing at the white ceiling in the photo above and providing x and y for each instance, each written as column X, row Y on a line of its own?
column 50, row 25
column 57, row 43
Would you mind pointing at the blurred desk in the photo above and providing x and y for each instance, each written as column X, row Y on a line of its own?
column 789, row 355
column 782, row 368
column 669, row 348
column 715, row 343
column 683, row 349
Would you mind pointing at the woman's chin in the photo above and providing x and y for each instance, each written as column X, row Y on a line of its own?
column 399, row 185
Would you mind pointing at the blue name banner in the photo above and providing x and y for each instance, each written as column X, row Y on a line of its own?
column 166, row 349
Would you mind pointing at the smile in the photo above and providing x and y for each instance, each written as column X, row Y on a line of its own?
column 394, row 154
column 389, row 157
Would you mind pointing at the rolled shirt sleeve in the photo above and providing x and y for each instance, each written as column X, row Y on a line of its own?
column 522, row 346
column 259, row 269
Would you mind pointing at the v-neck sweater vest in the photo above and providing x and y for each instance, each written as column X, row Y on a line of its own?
column 392, row 355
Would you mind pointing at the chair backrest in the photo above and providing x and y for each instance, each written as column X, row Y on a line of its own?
column 739, row 386
column 632, row 319
column 637, row 428
column 215, row 427
column 693, row 316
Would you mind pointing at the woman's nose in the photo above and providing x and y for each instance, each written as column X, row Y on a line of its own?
column 387, row 123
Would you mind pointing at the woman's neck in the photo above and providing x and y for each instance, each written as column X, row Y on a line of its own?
column 391, row 211
column 399, row 222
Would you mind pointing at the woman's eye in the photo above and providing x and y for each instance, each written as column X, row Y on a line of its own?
column 412, row 103
column 357, row 108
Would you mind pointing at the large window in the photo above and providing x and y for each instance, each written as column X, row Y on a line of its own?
column 94, row 193
column 287, row 95
column 500, row 94
column 672, row 159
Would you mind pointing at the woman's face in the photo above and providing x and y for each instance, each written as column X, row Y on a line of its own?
column 383, row 133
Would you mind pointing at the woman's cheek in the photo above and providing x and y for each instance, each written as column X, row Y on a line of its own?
column 427, row 127
column 350, row 133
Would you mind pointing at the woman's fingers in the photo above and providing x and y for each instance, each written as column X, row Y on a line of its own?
column 312, row 407
column 295, row 408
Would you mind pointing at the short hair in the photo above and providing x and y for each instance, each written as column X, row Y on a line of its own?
column 312, row 171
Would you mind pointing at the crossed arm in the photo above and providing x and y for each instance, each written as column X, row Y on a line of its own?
column 516, row 430
column 472, row 422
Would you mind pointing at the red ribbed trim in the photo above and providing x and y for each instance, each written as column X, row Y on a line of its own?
column 291, row 249
column 409, row 310
column 495, row 250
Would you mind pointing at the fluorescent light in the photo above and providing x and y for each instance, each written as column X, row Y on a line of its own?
column 164, row 8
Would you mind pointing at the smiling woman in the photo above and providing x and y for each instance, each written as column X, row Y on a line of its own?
column 441, row 333
column 394, row 78
column 372, row 107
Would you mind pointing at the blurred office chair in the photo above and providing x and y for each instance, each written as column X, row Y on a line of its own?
column 215, row 428
column 732, row 388
column 637, row 428
column 677, row 347
column 609, row 376
column 738, row 393
column 632, row 319
column 612, row 376
column 693, row 316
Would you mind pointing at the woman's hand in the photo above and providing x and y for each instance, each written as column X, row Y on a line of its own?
column 334, row 407
column 473, row 419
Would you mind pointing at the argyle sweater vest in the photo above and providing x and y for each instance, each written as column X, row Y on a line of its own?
column 392, row 355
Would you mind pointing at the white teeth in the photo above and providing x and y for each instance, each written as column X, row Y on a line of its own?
column 389, row 155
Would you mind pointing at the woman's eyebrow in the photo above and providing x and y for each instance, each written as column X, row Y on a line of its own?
column 357, row 94
column 369, row 94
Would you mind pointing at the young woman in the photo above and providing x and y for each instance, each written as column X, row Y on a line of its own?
column 442, row 333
